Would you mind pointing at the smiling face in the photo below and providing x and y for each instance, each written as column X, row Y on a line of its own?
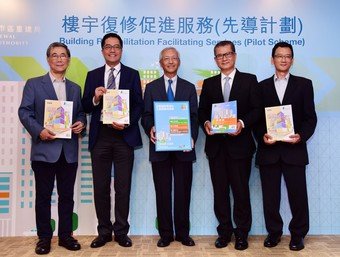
column 112, row 51
column 225, row 58
column 58, row 60
column 282, row 60
column 170, row 62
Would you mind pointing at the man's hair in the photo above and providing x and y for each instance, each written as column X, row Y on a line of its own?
column 114, row 35
column 57, row 44
column 225, row 43
column 282, row 44
column 168, row 48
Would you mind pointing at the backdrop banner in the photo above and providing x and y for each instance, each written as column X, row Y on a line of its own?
column 146, row 27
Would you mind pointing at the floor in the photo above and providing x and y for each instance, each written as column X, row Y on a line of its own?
column 146, row 246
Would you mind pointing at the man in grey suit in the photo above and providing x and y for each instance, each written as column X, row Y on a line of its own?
column 177, row 164
column 51, row 157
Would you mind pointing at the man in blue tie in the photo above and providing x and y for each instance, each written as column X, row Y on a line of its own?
column 168, row 166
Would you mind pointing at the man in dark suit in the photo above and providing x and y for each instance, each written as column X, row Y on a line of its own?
column 112, row 143
column 53, row 158
column 167, row 165
column 230, row 155
column 286, row 158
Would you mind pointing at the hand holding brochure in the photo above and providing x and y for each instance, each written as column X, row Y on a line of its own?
column 58, row 117
column 172, row 124
column 116, row 106
column 279, row 121
column 224, row 117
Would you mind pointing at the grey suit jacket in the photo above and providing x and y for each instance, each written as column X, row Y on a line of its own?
column 31, row 115
column 155, row 91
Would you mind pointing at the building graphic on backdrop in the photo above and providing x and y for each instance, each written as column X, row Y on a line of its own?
column 146, row 76
column 17, row 189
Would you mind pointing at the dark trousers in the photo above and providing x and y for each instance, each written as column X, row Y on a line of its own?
column 295, row 178
column 181, row 173
column 45, row 174
column 111, row 148
column 226, row 173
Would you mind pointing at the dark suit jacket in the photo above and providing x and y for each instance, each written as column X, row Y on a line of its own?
column 246, row 92
column 129, row 79
column 155, row 91
column 299, row 94
column 31, row 114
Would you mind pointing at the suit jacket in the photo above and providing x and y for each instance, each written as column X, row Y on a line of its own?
column 155, row 91
column 129, row 79
column 31, row 115
column 299, row 93
column 246, row 92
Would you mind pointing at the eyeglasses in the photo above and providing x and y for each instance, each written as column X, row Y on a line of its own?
column 281, row 57
column 114, row 47
column 227, row 55
column 55, row 57
column 168, row 59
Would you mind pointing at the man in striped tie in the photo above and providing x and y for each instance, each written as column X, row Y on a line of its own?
column 112, row 144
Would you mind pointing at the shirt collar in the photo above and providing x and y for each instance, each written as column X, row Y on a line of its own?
column 53, row 79
column 276, row 78
column 174, row 79
column 117, row 67
column 230, row 76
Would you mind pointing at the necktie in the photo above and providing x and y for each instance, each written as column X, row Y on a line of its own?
column 111, row 82
column 170, row 92
column 226, row 89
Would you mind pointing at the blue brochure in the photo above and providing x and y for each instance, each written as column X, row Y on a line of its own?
column 172, row 124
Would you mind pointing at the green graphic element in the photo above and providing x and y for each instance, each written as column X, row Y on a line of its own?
column 206, row 73
column 53, row 224
column 77, row 72
column 26, row 67
column 3, row 76
column 74, row 221
column 149, row 74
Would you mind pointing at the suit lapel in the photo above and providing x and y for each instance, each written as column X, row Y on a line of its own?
column 272, row 91
column 216, row 82
column 47, row 86
column 178, row 88
column 69, row 91
column 289, row 90
column 161, row 89
column 235, row 88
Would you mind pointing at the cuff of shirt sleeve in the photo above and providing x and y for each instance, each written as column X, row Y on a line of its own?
column 94, row 103
column 242, row 123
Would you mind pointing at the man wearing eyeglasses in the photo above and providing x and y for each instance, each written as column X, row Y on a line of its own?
column 171, row 167
column 112, row 144
column 230, row 155
column 53, row 159
column 286, row 158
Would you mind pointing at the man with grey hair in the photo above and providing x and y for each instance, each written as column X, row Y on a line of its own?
column 53, row 159
column 176, row 164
